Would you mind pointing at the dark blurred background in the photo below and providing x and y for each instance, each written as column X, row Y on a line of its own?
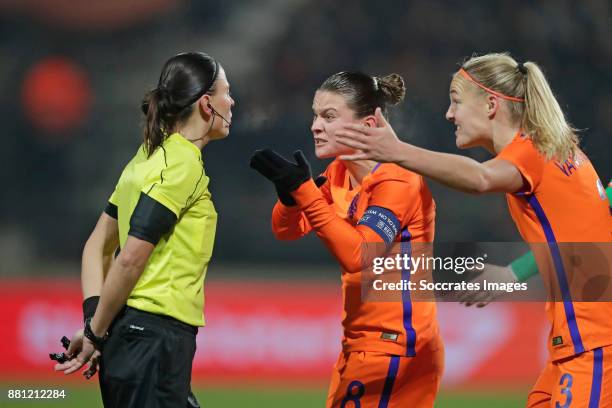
column 72, row 75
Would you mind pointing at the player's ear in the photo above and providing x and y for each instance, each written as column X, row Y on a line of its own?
column 492, row 106
column 369, row 121
column 204, row 104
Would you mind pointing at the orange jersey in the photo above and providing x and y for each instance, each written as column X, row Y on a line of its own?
column 584, row 381
column 357, row 380
column 399, row 208
column 563, row 202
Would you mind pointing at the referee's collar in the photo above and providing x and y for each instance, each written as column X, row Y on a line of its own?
column 182, row 139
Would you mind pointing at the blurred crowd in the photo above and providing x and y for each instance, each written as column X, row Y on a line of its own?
column 56, row 180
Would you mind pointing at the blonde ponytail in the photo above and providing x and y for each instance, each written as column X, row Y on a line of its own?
column 539, row 114
column 544, row 120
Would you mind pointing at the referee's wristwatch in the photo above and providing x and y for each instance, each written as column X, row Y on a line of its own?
column 98, row 341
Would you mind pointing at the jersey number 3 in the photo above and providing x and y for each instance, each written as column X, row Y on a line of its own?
column 566, row 383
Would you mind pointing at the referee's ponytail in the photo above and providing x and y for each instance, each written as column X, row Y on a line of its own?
column 183, row 80
column 153, row 131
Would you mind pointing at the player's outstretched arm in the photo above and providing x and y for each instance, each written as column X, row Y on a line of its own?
column 455, row 171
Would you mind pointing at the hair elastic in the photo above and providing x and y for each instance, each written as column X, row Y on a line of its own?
column 376, row 86
column 467, row 76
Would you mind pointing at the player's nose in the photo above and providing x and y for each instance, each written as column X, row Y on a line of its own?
column 316, row 126
column 450, row 115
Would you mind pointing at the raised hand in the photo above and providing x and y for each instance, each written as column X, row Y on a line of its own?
column 286, row 175
column 379, row 143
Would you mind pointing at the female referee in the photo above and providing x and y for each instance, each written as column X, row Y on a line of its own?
column 392, row 354
column 553, row 193
column 142, row 311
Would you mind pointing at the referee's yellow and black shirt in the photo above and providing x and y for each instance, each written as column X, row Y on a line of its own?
column 172, row 282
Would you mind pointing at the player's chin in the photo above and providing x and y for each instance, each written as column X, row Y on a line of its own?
column 462, row 142
column 323, row 153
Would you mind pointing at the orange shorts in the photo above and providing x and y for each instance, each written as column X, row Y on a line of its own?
column 378, row 380
column 581, row 381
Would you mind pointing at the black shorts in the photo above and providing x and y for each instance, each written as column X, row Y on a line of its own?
column 146, row 361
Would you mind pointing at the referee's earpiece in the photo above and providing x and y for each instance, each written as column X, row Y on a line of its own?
column 214, row 112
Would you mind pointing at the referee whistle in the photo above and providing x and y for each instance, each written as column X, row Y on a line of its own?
column 61, row 357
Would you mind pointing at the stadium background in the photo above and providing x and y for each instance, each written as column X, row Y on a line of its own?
column 71, row 78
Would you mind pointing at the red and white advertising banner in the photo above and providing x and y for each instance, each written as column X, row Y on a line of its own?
column 277, row 332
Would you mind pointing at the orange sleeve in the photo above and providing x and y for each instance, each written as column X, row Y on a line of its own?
column 290, row 223
column 354, row 246
column 522, row 153
column 402, row 197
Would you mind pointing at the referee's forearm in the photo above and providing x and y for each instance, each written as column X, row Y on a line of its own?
column 94, row 266
column 116, row 289
column 121, row 279
column 98, row 255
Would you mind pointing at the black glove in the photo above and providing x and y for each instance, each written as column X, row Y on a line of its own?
column 286, row 176
column 286, row 198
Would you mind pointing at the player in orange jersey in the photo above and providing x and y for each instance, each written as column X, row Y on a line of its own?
column 509, row 108
column 392, row 355
column 519, row 270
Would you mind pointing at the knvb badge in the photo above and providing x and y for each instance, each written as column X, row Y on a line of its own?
column 389, row 336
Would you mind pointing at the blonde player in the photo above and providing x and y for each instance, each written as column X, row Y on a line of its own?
column 554, row 195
